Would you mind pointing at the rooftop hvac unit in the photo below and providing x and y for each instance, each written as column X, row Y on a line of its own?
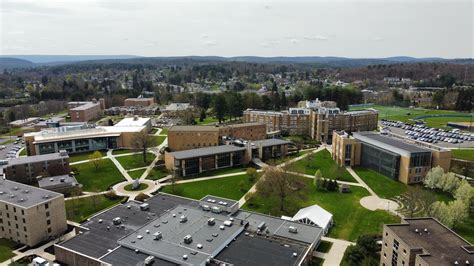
column 183, row 219
column 206, row 208
column 199, row 246
column 228, row 223
column 117, row 220
column 157, row 236
column 216, row 209
column 145, row 207
column 261, row 226
column 188, row 239
column 149, row 260
column 293, row 229
column 211, row 221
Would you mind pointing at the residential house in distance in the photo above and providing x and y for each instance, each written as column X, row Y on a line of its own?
column 24, row 122
column 30, row 215
column 27, row 169
column 424, row 241
column 85, row 111
column 388, row 155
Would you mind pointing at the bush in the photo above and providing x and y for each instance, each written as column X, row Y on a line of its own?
column 141, row 197
column 111, row 195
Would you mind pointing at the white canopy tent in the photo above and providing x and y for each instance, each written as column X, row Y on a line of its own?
column 314, row 215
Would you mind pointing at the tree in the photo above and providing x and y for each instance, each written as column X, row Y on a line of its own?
column 317, row 178
column 277, row 182
column 368, row 245
column 252, row 174
column 110, row 122
column 220, row 106
column 202, row 116
column 96, row 159
column 459, row 211
column 464, row 192
column 440, row 211
column 354, row 255
column 449, row 183
column 142, row 141
column 433, row 177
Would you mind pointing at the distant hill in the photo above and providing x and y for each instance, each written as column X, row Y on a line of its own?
column 8, row 62
column 329, row 61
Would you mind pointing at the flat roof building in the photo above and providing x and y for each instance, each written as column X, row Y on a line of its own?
column 191, row 137
column 30, row 215
column 424, row 241
column 179, row 231
column 83, row 138
column 85, row 111
column 196, row 161
column 388, row 155
column 143, row 102
column 27, row 168
column 64, row 184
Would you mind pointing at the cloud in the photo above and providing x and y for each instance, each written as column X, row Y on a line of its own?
column 151, row 44
column 294, row 41
column 16, row 32
column 210, row 43
column 316, row 38
column 270, row 43
column 378, row 39
column 267, row 7
column 204, row 36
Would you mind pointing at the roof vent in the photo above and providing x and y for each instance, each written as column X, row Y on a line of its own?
column 199, row 246
column 1, row 192
column 456, row 263
column 46, row 197
column 188, row 239
column 183, row 219
column 157, row 236
column 185, row 257
column 293, row 229
column 139, row 237
column 416, row 230
column 426, row 230
column 26, row 191
column 295, row 254
column 467, row 262
column 51, row 180
column 21, row 200
column 12, row 196
column 100, row 221
column 15, row 188
column 221, row 227
column 211, row 221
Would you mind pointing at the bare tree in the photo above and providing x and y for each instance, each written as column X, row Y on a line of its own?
column 142, row 141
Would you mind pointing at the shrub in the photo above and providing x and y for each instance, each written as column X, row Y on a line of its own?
column 111, row 195
column 141, row 197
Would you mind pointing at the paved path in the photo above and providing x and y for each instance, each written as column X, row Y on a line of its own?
column 120, row 189
column 336, row 253
column 119, row 166
column 86, row 194
column 359, row 180
column 39, row 251
column 338, row 181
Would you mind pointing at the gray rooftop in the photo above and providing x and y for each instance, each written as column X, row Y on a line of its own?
column 24, row 196
column 194, row 128
column 211, row 198
column 85, row 106
column 38, row 158
column 270, row 142
column 123, row 256
column 441, row 246
column 388, row 143
column 172, row 247
column 206, row 151
column 57, row 181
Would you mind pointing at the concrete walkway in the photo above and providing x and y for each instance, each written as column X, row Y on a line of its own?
column 338, row 181
column 120, row 189
column 86, row 194
column 119, row 166
column 336, row 253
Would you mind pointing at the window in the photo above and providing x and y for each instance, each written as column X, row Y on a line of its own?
column 48, row 222
column 395, row 244
column 47, row 214
column 394, row 259
column 46, row 206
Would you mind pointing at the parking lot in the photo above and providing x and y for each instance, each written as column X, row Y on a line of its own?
column 10, row 150
column 439, row 137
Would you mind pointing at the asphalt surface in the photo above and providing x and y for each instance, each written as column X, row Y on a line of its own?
column 465, row 144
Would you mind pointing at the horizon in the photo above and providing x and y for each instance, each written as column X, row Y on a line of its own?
column 350, row 29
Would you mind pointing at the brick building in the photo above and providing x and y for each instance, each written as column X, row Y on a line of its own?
column 27, row 169
column 84, row 111
column 143, row 102
column 30, row 215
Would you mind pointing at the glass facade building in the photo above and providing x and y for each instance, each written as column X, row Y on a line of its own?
column 383, row 161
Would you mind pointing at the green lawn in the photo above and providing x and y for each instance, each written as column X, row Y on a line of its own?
column 222, row 171
column 207, row 120
column 122, row 151
column 23, row 152
column 324, row 246
column 137, row 173
column 286, row 158
column 78, row 210
column 164, row 131
column 232, row 187
column 160, row 139
column 135, row 160
column 463, row 154
column 315, row 261
column 401, row 114
column 302, row 140
column 350, row 218
column 466, row 229
column 98, row 180
column 82, row 156
column 322, row 160
column 383, row 186
column 156, row 174
column 6, row 249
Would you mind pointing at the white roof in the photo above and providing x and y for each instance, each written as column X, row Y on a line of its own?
column 133, row 122
column 316, row 214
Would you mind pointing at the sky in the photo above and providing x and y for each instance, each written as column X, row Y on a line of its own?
column 352, row 28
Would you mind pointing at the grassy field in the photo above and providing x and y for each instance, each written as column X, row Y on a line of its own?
column 122, row 151
column 350, row 218
column 466, row 229
column 6, row 249
column 315, row 261
column 207, row 120
column 82, row 156
column 156, row 174
column 136, row 173
column 160, row 139
column 98, row 180
column 383, row 186
column 401, row 114
column 233, row 187
column 324, row 246
column 23, row 152
column 463, row 154
column 322, row 160
column 222, row 171
column 164, row 131
column 286, row 158
column 135, row 161
column 78, row 210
